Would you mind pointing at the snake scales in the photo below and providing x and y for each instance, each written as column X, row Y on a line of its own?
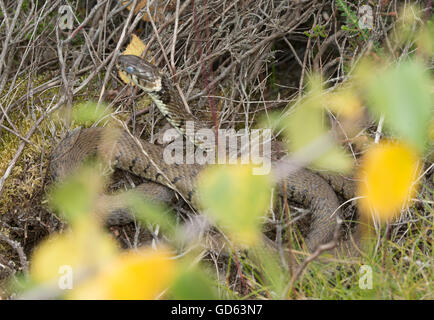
column 145, row 159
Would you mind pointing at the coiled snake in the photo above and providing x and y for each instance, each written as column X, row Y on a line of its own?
column 145, row 159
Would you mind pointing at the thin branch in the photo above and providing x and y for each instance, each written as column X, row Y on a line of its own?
column 19, row 249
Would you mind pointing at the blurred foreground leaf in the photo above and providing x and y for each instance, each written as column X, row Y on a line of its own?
column 235, row 199
column 403, row 94
column 151, row 212
column 425, row 39
column 83, row 248
column 133, row 275
column 89, row 112
column 345, row 101
column 193, row 284
column 306, row 125
column 75, row 196
column 387, row 178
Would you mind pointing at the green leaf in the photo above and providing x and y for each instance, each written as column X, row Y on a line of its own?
column 75, row 196
column 89, row 112
column 403, row 94
column 148, row 211
column 235, row 199
column 336, row 159
column 193, row 284
column 307, row 125
column 307, row 34
column 425, row 39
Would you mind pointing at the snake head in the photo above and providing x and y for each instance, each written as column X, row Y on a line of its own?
column 141, row 73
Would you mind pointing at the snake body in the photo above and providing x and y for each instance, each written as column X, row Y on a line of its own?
column 145, row 159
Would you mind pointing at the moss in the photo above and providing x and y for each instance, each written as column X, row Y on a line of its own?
column 28, row 174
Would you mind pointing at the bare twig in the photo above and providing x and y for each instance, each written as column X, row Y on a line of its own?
column 19, row 249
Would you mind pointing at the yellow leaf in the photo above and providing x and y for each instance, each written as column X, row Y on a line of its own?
column 85, row 247
column 345, row 102
column 236, row 199
column 134, row 275
column 135, row 47
column 387, row 178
